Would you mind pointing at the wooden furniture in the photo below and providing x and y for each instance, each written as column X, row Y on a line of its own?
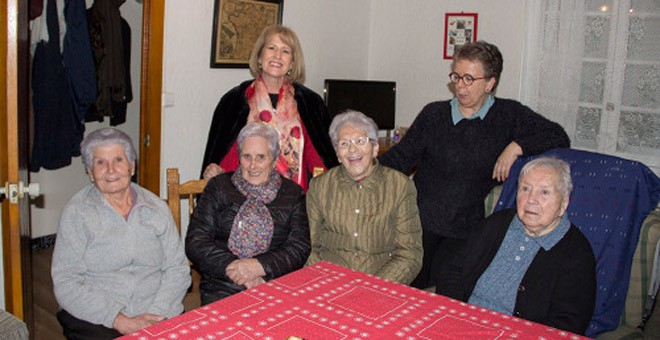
column 384, row 144
column 317, row 171
column 328, row 301
column 188, row 190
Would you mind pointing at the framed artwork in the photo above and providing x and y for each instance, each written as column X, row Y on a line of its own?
column 237, row 25
column 460, row 28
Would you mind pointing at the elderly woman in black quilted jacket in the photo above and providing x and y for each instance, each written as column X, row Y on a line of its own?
column 250, row 226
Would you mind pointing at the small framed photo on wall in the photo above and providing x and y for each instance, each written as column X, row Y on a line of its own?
column 237, row 24
column 460, row 29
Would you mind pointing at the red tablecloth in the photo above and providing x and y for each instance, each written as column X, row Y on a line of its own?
column 327, row 301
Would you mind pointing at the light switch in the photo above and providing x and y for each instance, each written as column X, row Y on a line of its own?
column 168, row 99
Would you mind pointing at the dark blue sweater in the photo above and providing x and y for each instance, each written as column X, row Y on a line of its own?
column 454, row 164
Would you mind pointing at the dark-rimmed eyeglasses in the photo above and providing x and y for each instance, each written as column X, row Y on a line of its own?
column 468, row 79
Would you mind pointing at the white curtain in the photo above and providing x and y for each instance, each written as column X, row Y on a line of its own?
column 554, row 48
column 593, row 66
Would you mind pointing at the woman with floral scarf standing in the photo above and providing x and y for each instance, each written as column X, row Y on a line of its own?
column 276, row 97
column 249, row 226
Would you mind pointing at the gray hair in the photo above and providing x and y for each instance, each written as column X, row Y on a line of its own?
column 560, row 167
column 355, row 119
column 265, row 131
column 106, row 137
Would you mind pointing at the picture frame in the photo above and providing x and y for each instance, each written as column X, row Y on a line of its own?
column 460, row 28
column 237, row 24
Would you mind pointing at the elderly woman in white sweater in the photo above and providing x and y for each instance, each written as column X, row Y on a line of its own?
column 119, row 264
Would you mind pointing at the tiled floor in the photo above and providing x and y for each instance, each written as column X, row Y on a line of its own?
column 46, row 326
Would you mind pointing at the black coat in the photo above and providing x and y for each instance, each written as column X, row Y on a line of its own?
column 231, row 115
column 211, row 223
column 558, row 289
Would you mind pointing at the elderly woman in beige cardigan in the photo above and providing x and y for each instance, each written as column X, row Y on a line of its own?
column 363, row 215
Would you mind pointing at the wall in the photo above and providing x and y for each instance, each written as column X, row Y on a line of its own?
column 366, row 39
column 407, row 46
column 334, row 36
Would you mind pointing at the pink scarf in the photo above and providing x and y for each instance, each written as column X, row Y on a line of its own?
column 285, row 119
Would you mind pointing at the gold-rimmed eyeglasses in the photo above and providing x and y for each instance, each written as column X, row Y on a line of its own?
column 468, row 79
column 359, row 142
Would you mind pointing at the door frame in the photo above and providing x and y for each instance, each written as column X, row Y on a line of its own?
column 151, row 83
column 13, row 99
column 14, row 57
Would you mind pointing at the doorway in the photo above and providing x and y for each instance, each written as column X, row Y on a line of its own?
column 57, row 186
column 143, row 120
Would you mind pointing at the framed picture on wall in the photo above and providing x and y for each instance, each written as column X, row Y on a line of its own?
column 237, row 25
column 460, row 28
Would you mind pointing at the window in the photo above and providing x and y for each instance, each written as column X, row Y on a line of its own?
column 596, row 71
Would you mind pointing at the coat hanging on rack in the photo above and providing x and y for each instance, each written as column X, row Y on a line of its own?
column 111, row 41
column 63, row 85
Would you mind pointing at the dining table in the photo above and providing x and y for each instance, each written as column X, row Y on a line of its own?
column 329, row 301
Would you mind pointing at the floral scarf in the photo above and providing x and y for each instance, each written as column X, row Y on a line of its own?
column 252, row 230
column 285, row 119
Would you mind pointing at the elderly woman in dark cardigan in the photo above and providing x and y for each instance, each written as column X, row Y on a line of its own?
column 530, row 262
column 249, row 226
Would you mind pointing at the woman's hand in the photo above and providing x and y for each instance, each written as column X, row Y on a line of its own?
column 255, row 282
column 243, row 271
column 212, row 170
column 125, row 325
column 505, row 161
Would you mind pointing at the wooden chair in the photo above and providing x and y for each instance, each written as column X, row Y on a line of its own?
column 317, row 171
column 188, row 190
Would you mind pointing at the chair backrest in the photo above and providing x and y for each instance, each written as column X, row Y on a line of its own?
column 176, row 189
column 317, row 171
column 188, row 190
column 611, row 198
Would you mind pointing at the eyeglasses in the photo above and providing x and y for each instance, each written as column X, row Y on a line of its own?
column 359, row 142
column 468, row 79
